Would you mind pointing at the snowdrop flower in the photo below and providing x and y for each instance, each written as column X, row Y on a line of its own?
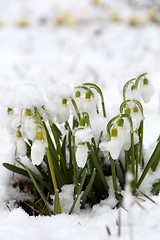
column 146, row 90
column 63, row 112
column 12, row 121
column 133, row 93
column 82, row 136
column 89, row 105
column 38, row 150
column 81, row 154
column 30, row 127
column 114, row 146
column 136, row 118
column 21, row 145
column 79, row 100
column 124, row 133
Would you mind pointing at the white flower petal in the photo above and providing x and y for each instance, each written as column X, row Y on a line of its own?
column 146, row 92
column 114, row 147
column 37, row 152
column 21, row 147
column 30, row 128
column 63, row 113
column 81, row 155
column 83, row 135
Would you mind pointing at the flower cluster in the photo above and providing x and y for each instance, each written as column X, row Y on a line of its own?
column 73, row 146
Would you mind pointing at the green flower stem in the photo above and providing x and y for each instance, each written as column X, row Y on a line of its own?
column 53, row 176
column 132, row 155
column 94, row 86
column 140, row 141
column 113, row 169
column 76, row 108
column 131, row 81
column 139, row 78
column 74, row 164
column 137, row 161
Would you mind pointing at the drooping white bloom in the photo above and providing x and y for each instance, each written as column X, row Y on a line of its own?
column 125, row 137
column 30, row 127
column 21, row 147
column 37, row 152
column 63, row 113
column 146, row 91
column 133, row 94
column 89, row 106
column 136, row 119
column 114, row 146
column 81, row 155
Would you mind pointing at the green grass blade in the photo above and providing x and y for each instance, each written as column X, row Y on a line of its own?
column 56, row 201
column 39, row 190
column 98, row 167
column 79, row 191
column 153, row 158
column 45, row 184
column 16, row 169
column 88, row 188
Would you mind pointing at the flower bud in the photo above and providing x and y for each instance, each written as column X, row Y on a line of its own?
column 81, row 155
column 30, row 127
column 127, row 110
column 77, row 94
column 38, row 150
column 146, row 90
column 63, row 112
column 21, row 145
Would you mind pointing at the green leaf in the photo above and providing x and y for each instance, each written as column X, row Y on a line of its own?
column 56, row 201
column 154, row 157
column 79, row 191
column 45, row 184
column 88, row 188
column 98, row 166
column 16, row 169
column 39, row 190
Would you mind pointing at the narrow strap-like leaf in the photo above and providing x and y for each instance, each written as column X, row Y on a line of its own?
column 88, row 188
column 79, row 191
column 39, row 190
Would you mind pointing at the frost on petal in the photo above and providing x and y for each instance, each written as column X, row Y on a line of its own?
column 146, row 92
column 37, row 152
column 125, row 137
column 21, row 147
column 63, row 113
column 81, row 155
column 83, row 135
column 30, row 128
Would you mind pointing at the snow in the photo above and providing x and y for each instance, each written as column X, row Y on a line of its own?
column 43, row 61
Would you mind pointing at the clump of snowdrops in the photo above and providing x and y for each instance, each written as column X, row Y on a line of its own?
column 83, row 148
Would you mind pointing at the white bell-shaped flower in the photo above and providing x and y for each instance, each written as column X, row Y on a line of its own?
column 89, row 105
column 81, row 155
column 38, row 150
column 114, row 146
column 63, row 112
column 136, row 118
column 21, row 145
column 30, row 127
column 146, row 90
column 133, row 93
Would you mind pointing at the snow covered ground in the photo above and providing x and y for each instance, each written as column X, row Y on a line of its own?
column 89, row 46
